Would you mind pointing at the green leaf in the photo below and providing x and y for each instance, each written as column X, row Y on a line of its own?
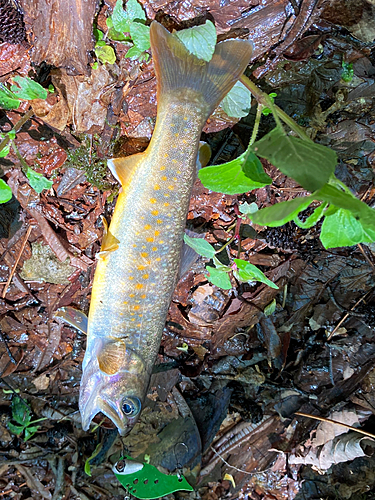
column 105, row 54
column 341, row 230
column 140, row 34
column 98, row 34
column 117, row 36
column 7, row 99
column 5, row 191
column 313, row 218
column 21, row 412
column 347, row 72
column 228, row 178
column 248, row 208
column 281, row 213
column 30, row 431
column 347, row 201
column 38, row 181
column 88, row 467
column 310, row 164
column 15, row 429
column 220, row 266
column 120, row 19
column 219, row 278
column 253, row 169
column 247, row 272
column 201, row 246
column 199, row 40
column 134, row 11
column 270, row 308
column 28, row 89
column 237, row 102
column 134, row 53
column 4, row 152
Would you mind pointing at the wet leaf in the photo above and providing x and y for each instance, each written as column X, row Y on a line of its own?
column 105, row 54
column 21, row 412
column 38, row 181
column 313, row 218
column 135, row 11
column 30, row 431
column 247, row 272
column 248, row 208
column 28, row 89
column 237, row 102
column 140, row 34
column 253, row 169
column 5, row 151
column 15, row 429
column 282, row 212
column 8, row 100
column 134, row 53
column 341, row 229
column 120, row 18
column 201, row 246
column 199, row 40
column 219, row 278
column 308, row 163
column 5, row 192
column 229, row 178
column 270, row 308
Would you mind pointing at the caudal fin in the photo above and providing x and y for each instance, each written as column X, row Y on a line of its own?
column 177, row 69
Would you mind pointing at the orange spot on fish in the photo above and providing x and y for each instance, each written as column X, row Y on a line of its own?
column 178, row 172
column 157, row 233
column 166, row 155
column 141, row 267
column 166, row 195
column 176, row 134
column 138, row 286
column 131, row 277
column 158, row 259
column 152, row 200
column 132, row 319
column 162, row 168
column 184, row 141
column 131, row 295
column 144, row 254
column 125, row 302
column 174, row 161
column 150, row 240
column 139, row 325
column 166, row 204
column 161, row 242
column 175, row 179
column 145, row 276
column 155, row 212
column 159, row 221
column 154, row 249
column 136, row 308
column 185, row 118
column 147, row 226
column 171, row 187
column 156, row 187
column 143, row 296
column 134, row 245
column 164, row 178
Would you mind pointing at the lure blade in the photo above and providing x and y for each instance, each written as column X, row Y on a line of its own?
column 149, row 483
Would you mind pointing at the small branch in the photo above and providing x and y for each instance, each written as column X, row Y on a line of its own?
column 17, row 260
column 263, row 99
column 335, row 422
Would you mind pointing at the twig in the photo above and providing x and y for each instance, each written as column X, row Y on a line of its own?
column 366, row 257
column 345, row 317
column 5, row 342
column 17, row 260
column 322, row 419
column 229, row 465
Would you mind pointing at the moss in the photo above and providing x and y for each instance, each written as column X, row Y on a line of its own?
column 86, row 158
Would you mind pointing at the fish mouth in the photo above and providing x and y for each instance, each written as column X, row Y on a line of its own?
column 100, row 405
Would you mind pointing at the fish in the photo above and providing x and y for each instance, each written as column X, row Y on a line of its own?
column 139, row 258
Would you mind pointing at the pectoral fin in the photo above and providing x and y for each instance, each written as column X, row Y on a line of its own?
column 123, row 168
column 109, row 243
column 73, row 317
column 111, row 357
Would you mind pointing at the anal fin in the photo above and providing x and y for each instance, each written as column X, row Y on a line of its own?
column 109, row 243
column 123, row 168
column 73, row 317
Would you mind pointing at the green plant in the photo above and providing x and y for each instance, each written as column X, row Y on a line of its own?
column 219, row 274
column 347, row 220
column 26, row 89
column 21, row 414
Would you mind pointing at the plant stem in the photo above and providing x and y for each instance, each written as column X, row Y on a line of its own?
column 225, row 245
column 256, row 125
column 17, row 127
column 264, row 99
column 21, row 159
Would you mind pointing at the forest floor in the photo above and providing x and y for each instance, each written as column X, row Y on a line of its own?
column 238, row 363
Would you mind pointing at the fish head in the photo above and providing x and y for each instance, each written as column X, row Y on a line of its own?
column 115, row 380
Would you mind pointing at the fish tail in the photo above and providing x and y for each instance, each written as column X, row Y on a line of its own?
column 177, row 70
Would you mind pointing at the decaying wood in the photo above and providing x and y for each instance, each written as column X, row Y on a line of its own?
column 61, row 32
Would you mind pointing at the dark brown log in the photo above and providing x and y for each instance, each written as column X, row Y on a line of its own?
column 61, row 32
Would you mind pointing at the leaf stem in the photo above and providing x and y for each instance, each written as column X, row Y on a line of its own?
column 264, row 99
column 256, row 126
column 21, row 159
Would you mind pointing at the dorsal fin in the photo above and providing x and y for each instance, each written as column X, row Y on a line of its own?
column 123, row 168
column 111, row 356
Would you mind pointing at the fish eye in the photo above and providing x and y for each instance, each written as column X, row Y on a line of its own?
column 131, row 406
